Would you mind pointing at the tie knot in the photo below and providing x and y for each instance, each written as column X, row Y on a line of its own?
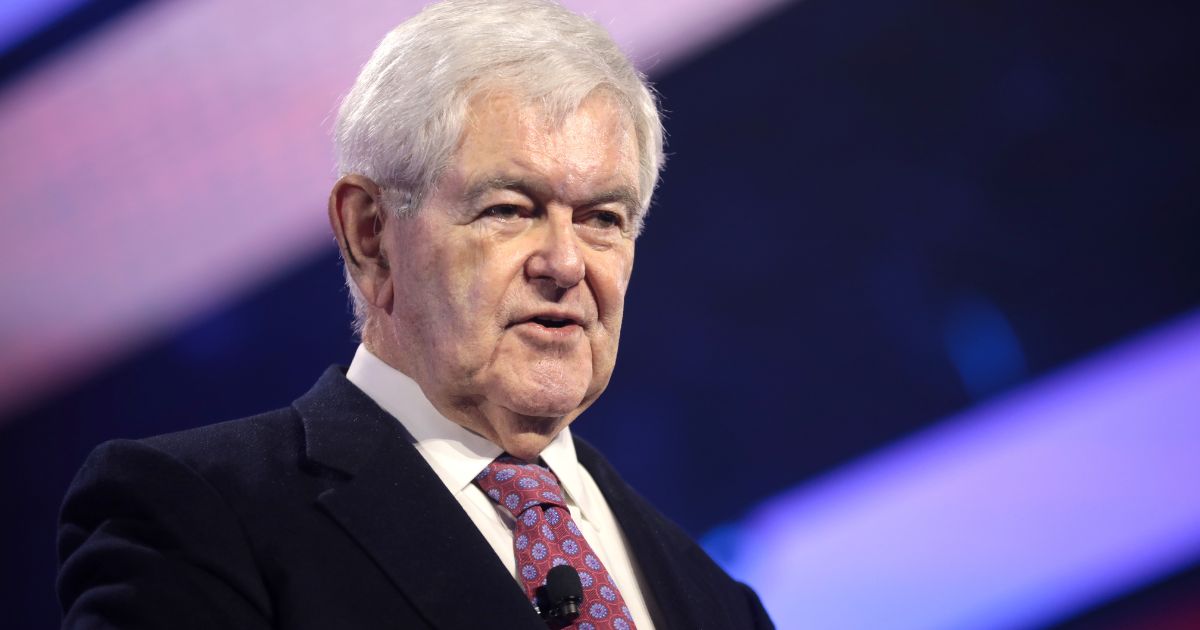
column 517, row 485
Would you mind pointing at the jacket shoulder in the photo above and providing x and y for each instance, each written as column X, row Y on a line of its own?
column 258, row 438
column 149, row 517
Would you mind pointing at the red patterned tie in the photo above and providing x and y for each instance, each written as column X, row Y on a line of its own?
column 544, row 536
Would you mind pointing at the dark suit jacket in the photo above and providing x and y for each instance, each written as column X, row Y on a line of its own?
column 323, row 515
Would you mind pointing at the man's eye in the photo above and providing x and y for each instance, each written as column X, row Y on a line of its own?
column 504, row 211
column 605, row 219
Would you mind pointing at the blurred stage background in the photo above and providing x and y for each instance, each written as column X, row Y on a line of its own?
column 913, row 341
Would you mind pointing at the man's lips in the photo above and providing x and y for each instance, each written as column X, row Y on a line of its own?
column 550, row 320
column 549, row 325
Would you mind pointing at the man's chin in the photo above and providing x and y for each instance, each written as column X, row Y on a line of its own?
column 538, row 405
column 542, row 389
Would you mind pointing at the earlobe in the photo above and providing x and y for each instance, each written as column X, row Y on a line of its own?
column 358, row 218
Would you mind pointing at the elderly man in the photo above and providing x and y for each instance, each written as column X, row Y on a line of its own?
column 497, row 160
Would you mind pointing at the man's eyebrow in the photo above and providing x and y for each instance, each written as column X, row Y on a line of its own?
column 623, row 194
column 500, row 182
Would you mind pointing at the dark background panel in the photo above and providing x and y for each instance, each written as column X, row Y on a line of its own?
column 874, row 215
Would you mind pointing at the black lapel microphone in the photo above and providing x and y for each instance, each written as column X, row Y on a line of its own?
column 560, row 598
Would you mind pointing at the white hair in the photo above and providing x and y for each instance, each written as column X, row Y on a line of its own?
column 401, row 122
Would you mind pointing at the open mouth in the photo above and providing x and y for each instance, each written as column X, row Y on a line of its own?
column 552, row 322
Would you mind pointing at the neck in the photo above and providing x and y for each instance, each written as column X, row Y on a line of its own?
column 520, row 435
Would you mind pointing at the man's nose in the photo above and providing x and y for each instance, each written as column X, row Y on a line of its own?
column 557, row 255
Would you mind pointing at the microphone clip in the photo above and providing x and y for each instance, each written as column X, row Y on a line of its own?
column 560, row 597
column 558, row 614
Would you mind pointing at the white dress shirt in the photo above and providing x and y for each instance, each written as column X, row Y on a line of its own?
column 457, row 455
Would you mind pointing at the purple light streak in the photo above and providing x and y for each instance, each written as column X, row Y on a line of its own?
column 1014, row 514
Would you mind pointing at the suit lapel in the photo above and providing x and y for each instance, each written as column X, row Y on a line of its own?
column 398, row 511
column 674, row 598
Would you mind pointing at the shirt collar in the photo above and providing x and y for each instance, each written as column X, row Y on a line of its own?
column 559, row 456
column 456, row 454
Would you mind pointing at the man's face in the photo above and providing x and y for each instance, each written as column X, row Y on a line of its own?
column 510, row 280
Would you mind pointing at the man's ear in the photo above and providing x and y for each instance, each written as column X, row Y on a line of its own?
column 357, row 216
